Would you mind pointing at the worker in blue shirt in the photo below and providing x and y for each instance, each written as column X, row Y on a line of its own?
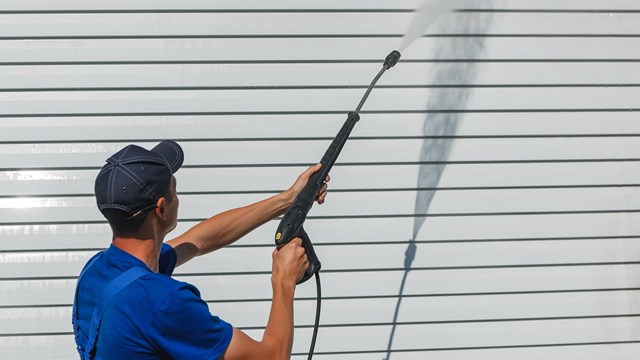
column 127, row 305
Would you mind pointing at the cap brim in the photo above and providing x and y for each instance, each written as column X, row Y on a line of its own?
column 172, row 152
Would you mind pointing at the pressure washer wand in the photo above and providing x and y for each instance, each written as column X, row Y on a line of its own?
column 291, row 225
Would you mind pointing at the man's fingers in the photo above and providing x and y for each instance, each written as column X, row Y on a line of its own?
column 321, row 197
column 322, row 194
column 294, row 242
column 311, row 169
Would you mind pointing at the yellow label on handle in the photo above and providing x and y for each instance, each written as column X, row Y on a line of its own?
column 278, row 236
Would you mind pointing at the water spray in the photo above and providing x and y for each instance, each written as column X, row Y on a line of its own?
column 291, row 224
column 440, row 126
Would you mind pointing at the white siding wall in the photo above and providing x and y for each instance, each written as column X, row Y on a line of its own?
column 527, row 247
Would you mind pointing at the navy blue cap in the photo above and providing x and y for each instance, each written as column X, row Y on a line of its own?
column 134, row 178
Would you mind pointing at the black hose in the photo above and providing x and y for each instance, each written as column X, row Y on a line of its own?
column 316, row 325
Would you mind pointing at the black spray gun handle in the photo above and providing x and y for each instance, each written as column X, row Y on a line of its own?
column 293, row 219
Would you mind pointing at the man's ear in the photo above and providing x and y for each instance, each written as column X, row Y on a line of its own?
column 161, row 209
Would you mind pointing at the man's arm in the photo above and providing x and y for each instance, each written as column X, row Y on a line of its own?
column 289, row 264
column 229, row 226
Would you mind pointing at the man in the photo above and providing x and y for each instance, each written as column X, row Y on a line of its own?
column 127, row 306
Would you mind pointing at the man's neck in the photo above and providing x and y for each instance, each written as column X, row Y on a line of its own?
column 146, row 249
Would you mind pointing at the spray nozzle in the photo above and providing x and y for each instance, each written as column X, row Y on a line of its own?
column 391, row 59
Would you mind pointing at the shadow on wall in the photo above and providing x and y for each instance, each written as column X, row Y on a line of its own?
column 442, row 121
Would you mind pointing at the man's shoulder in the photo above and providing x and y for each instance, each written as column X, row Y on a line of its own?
column 156, row 284
column 147, row 296
column 166, row 289
column 161, row 289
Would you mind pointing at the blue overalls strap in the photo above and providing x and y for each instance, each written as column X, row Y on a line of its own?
column 79, row 338
column 87, row 350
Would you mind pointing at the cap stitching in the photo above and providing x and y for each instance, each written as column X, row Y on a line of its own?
column 112, row 175
column 141, row 183
column 135, row 159
column 174, row 147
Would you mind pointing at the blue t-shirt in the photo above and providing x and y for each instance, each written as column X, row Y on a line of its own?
column 155, row 317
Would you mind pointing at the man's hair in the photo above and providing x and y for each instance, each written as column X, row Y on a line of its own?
column 123, row 224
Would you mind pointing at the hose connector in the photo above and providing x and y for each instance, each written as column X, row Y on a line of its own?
column 391, row 59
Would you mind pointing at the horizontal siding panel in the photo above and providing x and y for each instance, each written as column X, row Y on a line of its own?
column 378, row 204
column 381, row 230
column 565, row 4
column 486, row 227
column 193, row 76
column 450, row 202
column 372, row 178
column 15, row 52
column 340, row 257
column 464, row 254
column 243, row 24
column 524, row 124
column 365, row 152
column 527, row 226
column 470, row 202
column 288, row 4
column 621, row 351
column 67, row 264
column 20, row 293
column 216, row 4
column 296, row 101
column 336, row 340
column 55, row 237
column 377, row 284
column 278, row 24
column 442, row 309
column 388, row 229
column 61, row 347
column 428, row 255
column 148, row 130
column 237, row 75
column 449, row 336
column 64, row 237
column 43, row 347
column 568, row 4
column 541, row 24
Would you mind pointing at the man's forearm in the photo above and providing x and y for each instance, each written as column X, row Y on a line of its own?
column 227, row 227
column 278, row 335
column 289, row 263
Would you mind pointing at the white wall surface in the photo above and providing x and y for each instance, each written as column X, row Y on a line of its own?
column 502, row 148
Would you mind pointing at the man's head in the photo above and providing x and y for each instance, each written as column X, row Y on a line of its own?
column 135, row 181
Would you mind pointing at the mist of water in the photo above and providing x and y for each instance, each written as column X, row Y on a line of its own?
column 424, row 17
column 444, row 102
column 443, row 122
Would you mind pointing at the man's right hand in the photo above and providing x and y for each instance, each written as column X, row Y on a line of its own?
column 289, row 263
